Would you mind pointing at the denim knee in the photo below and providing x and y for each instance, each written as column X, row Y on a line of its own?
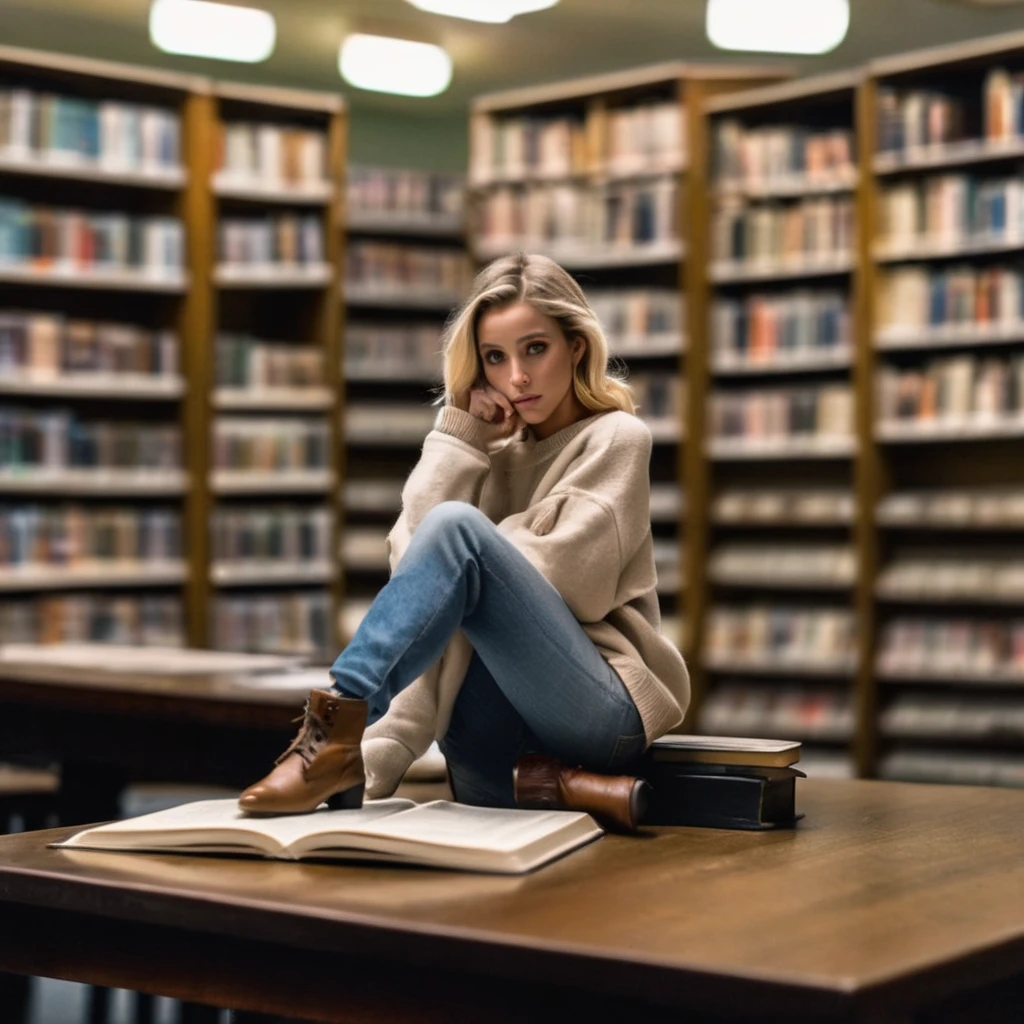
column 454, row 516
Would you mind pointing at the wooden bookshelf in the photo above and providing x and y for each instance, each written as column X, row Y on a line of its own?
column 929, row 577
column 288, row 303
column 665, row 182
column 780, row 326
column 281, row 286
column 56, row 292
column 404, row 232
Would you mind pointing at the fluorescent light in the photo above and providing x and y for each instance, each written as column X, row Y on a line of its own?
column 497, row 12
column 383, row 64
column 200, row 29
column 778, row 26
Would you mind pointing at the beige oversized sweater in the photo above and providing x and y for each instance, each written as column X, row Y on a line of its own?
column 577, row 505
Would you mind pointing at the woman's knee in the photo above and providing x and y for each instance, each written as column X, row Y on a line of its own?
column 454, row 517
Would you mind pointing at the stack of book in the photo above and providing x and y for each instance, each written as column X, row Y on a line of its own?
column 722, row 782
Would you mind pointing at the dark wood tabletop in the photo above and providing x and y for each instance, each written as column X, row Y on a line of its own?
column 885, row 898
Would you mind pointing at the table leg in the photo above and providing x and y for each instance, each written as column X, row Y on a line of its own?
column 14, row 997
column 89, row 793
column 197, row 1013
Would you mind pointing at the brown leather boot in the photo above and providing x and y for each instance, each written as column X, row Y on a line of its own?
column 618, row 802
column 324, row 762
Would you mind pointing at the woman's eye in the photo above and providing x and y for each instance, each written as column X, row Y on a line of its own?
column 535, row 348
column 493, row 358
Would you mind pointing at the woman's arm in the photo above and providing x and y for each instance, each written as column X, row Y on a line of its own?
column 585, row 532
column 454, row 464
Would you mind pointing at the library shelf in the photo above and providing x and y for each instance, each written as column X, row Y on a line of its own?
column 666, row 430
column 97, row 573
column 730, row 271
column 428, row 225
column 316, row 275
column 109, row 386
column 122, row 482
column 66, row 167
column 654, row 346
column 258, row 190
column 945, row 676
column 597, row 174
column 370, row 372
column 269, row 571
column 939, row 249
column 949, row 154
column 112, row 279
column 766, row 666
column 241, row 481
column 589, row 257
column 783, row 522
column 389, row 439
column 949, row 524
column 988, row 429
column 755, row 581
column 813, row 361
column 787, row 186
column 257, row 399
column 785, row 448
column 949, row 335
column 933, row 595
column 397, row 297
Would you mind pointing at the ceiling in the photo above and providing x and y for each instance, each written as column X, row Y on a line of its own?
column 576, row 37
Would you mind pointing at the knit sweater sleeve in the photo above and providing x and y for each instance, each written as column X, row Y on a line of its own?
column 453, row 466
column 585, row 530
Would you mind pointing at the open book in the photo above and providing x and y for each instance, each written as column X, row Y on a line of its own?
column 437, row 834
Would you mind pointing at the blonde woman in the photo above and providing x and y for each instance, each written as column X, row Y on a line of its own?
column 521, row 616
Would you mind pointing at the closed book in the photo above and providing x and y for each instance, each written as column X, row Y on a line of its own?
column 745, row 797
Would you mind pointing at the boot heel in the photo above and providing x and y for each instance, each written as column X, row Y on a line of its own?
column 350, row 799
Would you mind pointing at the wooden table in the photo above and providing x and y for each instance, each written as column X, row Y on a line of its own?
column 888, row 897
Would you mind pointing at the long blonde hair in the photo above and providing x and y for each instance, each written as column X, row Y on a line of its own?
column 543, row 284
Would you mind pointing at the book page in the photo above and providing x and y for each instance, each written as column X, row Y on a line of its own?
column 210, row 824
column 731, row 744
column 441, row 823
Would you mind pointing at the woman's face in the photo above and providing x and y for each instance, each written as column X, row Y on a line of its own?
column 528, row 359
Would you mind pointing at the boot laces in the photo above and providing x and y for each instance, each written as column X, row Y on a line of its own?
column 312, row 736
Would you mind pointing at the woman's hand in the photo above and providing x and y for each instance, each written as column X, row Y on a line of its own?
column 494, row 408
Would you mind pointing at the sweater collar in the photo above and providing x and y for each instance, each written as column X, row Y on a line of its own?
column 539, row 451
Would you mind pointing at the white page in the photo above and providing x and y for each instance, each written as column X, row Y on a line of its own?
column 441, row 823
column 222, row 822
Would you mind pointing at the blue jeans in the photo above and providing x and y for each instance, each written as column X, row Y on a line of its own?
column 536, row 682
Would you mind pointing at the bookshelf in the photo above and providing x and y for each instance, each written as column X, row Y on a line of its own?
column 606, row 175
column 779, row 653
column 95, row 305
column 945, row 136
column 406, row 269
column 170, row 274
column 271, row 373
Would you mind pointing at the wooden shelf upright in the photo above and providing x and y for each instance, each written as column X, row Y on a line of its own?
column 289, row 299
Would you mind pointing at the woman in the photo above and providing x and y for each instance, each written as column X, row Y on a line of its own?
column 521, row 615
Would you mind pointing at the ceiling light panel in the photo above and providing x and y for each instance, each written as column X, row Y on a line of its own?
column 196, row 28
column 495, row 12
column 778, row 26
column 399, row 66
